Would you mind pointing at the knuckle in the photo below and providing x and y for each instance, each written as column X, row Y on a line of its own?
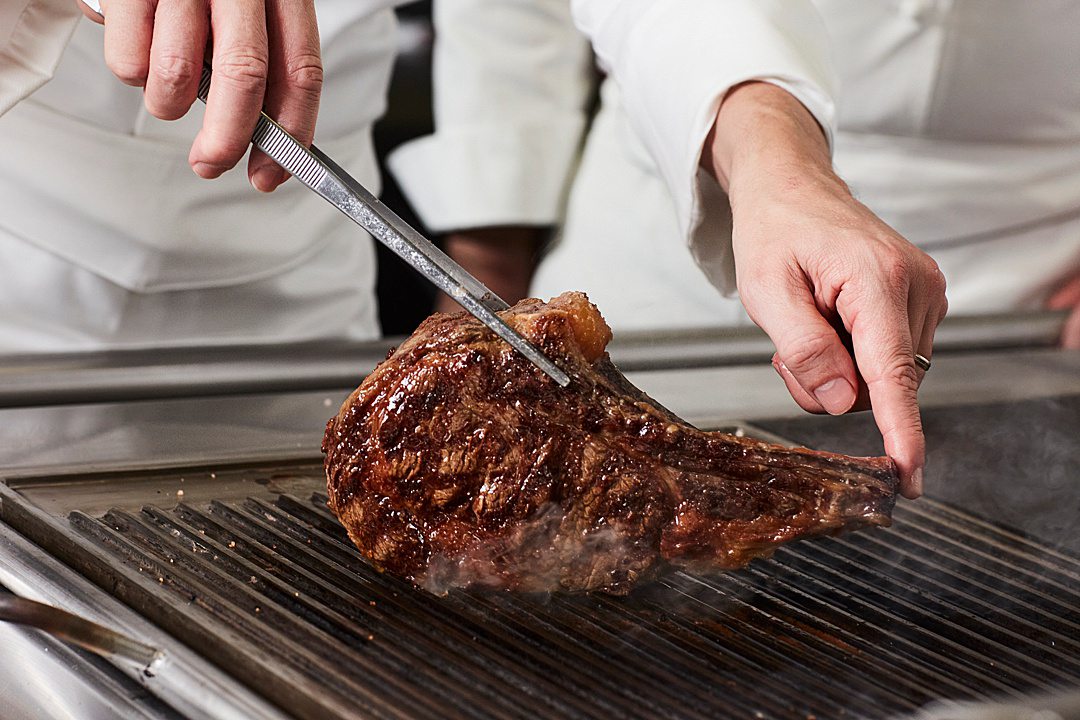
column 806, row 352
column 175, row 73
column 243, row 67
column 901, row 373
column 896, row 267
column 305, row 73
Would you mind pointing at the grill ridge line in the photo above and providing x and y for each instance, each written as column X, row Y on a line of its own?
column 229, row 591
column 892, row 664
column 746, row 651
column 1050, row 607
column 1013, row 570
column 318, row 506
column 672, row 652
column 383, row 596
column 1006, row 574
column 924, row 655
column 885, row 682
column 878, row 690
column 419, row 644
column 961, row 655
column 317, row 614
column 601, row 673
column 1032, row 630
column 1008, row 539
column 271, row 683
column 998, row 646
column 674, row 686
column 346, row 553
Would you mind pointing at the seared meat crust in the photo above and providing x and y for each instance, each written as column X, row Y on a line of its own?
column 456, row 462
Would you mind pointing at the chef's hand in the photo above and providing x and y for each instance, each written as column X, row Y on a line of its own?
column 1067, row 297
column 822, row 275
column 265, row 54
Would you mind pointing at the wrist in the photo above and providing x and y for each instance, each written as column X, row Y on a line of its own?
column 764, row 138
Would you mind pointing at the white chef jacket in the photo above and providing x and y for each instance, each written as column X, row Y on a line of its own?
column 958, row 122
column 107, row 239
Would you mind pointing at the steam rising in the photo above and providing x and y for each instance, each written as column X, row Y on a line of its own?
column 535, row 556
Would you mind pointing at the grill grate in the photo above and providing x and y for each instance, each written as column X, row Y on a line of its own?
column 878, row 622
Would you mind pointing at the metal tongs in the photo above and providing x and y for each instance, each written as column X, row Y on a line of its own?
column 74, row 629
column 328, row 179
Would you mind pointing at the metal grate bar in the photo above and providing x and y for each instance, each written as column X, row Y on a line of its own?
column 739, row 631
column 866, row 625
column 559, row 649
column 526, row 630
column 658, row 638
column 318, row 652
column 877, row 628
column 892, row 676
column 390, row 663
column 888, row 601
column 1018, row 622
column 980, row 635
column 997, row 560
column 298, row 566
column 203, row 617
column 1054, row 560
column 344, row 568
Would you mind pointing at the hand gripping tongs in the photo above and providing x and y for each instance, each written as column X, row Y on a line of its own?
column 325, row 177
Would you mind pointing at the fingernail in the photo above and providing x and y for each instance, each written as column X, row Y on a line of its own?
column 207, row 171
column 836, row 396
column 916, row 482
column 266, row 178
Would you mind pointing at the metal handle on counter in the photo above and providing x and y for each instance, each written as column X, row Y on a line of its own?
column 76, row 630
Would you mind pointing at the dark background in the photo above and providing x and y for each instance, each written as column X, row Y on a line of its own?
column 405, row 298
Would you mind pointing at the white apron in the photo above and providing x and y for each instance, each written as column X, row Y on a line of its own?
column 958, row 123
column 108, row 240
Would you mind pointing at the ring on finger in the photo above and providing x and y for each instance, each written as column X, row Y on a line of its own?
column 922, row 362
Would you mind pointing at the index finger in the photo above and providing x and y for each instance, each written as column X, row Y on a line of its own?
column 237, row 89
column 881, row 338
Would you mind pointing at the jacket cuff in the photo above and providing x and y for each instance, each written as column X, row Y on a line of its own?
column 486, row 175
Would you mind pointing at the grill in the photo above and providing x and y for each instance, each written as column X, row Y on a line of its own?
column 252, row 571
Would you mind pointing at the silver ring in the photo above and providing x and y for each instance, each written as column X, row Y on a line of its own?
column 922, row 362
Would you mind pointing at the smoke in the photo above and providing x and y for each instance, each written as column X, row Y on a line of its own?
column 546, row 553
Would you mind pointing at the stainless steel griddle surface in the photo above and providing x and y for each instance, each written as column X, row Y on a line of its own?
column 247, row 567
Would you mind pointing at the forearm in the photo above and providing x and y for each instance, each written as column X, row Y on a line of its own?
column 503, row 258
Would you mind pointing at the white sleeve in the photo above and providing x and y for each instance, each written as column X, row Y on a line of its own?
column 674, row 61
column 512, row 82
column 33, row 35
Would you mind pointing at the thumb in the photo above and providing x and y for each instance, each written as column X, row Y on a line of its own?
column 809, row 349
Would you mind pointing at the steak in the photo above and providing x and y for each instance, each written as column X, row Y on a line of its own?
column 457, row 463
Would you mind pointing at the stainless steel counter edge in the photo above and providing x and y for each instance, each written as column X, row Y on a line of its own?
column 193, row 372
column 290, row 424
column 181, row 678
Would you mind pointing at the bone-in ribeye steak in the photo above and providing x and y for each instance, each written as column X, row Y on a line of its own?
column 458, row 463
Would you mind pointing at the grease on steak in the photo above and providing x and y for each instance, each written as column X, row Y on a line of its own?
column 457, row 462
